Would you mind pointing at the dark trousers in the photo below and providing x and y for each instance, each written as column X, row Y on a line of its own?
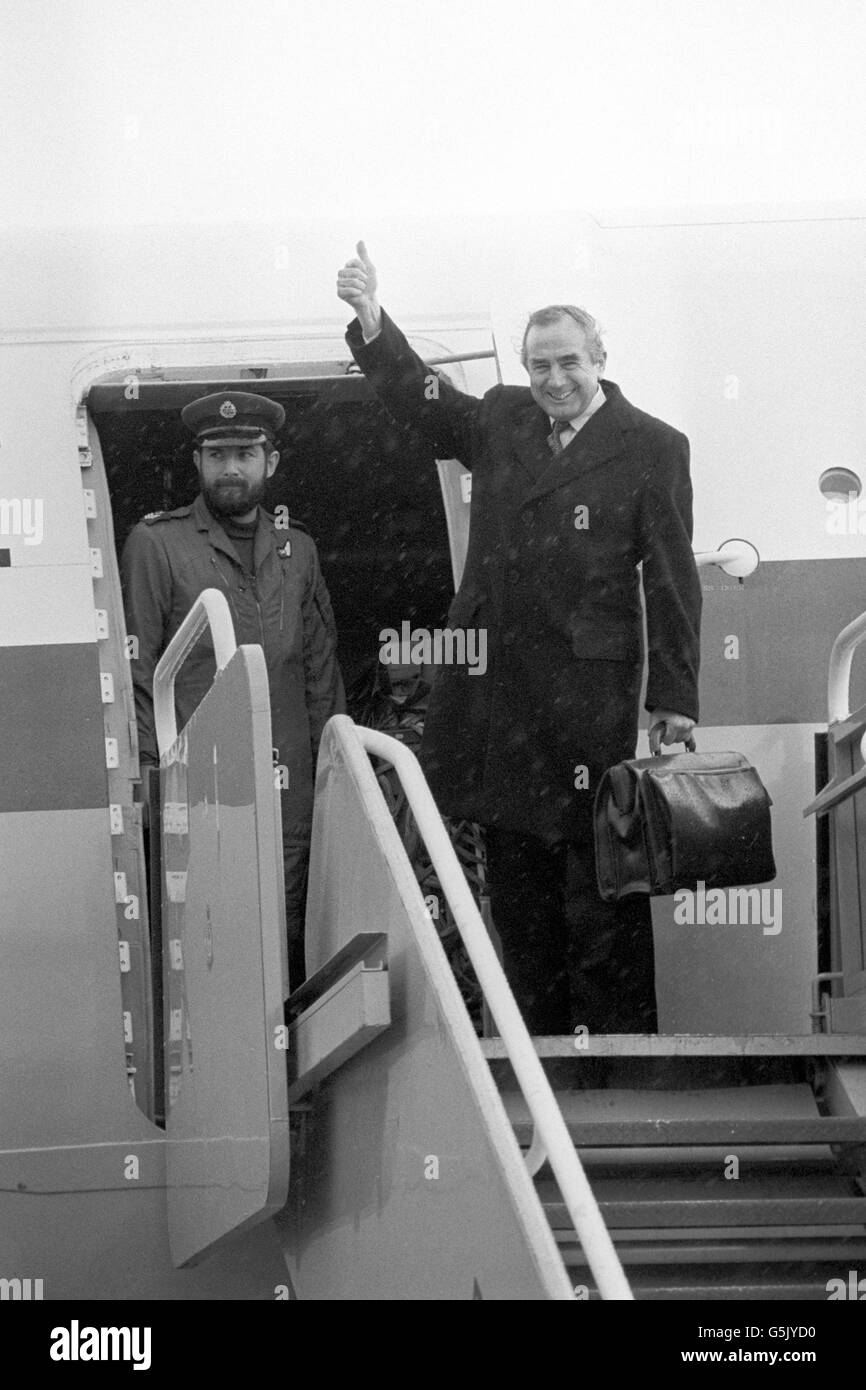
column 570, row 958
column 296, row 863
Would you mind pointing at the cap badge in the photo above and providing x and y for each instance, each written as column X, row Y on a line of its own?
column 228, row 410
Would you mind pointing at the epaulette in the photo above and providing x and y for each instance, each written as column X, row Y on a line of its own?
column 166, row 516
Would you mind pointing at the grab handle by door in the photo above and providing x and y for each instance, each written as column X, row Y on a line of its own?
column 736, row 557
column 839, row 672
column 209, row 610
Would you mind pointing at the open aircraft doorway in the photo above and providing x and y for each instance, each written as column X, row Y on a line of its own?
column 371, row 498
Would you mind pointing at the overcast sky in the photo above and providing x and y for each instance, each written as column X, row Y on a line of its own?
column 208, row 110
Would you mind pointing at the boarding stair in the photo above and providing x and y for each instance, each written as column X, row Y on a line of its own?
column 719, row 1176
column 732, row 1167
column 426, row 1162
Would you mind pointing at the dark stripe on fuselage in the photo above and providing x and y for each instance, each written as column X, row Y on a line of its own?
column 52, row 738
column 785, row 618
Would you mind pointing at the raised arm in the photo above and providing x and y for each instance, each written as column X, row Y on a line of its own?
column 414, row 394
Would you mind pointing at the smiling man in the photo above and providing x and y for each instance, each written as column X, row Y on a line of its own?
column 565, row 357
column 576, row 495
column 270, row 575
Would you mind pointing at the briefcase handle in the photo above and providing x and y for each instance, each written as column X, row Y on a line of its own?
column 655, row 741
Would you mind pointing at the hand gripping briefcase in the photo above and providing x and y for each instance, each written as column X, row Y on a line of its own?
column 671, row 821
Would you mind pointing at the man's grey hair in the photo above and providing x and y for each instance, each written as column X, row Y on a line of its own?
column 544, row 318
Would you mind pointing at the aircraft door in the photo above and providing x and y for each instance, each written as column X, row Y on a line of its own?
column 224, row 944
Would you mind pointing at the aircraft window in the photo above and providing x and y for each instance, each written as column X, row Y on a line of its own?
column 838, row 484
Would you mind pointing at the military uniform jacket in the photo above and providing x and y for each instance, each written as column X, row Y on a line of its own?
column 168, row 559
column 552, row 577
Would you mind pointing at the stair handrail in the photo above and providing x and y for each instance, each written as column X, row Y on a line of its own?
column 839, row 670
column 840, row 788
column 546, row 1115
column 209, row 610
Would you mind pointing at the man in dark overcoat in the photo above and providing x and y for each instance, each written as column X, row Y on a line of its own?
column 575, row 495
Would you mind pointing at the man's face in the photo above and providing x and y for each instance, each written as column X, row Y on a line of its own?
column 562, row 377
column 233, row 476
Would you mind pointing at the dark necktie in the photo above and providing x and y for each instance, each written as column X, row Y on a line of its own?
column 554, row 439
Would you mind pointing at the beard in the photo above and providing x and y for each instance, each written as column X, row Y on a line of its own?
column 233, row 499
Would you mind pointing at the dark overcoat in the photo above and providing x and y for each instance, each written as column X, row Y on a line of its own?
column 552, row 578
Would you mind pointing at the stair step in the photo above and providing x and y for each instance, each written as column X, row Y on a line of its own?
column 763, row 1292
column 778, row 1101
column 697, row 1186
column 637, row 1248
column 651, row 1132
column 805, row 1280
column 766, row 1159
column 661, row 1285
column 798, row 1211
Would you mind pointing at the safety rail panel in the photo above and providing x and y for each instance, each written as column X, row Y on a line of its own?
column 224, row 946
column 843, row 801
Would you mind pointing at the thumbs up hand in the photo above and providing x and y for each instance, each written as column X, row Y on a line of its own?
column 357, row 284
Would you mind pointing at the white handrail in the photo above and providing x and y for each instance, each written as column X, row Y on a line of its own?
column 209, row 610
column 550, row 1127
column 839, row 671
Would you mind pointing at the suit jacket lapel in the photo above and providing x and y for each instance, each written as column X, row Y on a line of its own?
column 599, row 441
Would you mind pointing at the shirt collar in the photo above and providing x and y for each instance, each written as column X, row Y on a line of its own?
column 595, row 404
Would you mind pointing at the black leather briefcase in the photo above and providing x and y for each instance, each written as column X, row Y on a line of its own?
column 674, row 820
